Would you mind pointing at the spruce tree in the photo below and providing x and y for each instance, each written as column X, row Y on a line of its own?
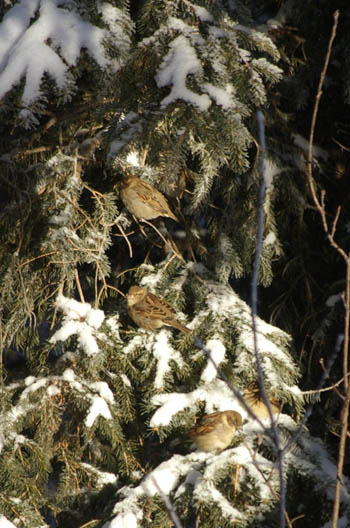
column 96, row 411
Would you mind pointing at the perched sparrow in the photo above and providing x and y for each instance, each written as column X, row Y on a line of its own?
column 88, row 146
column 150, row 312
column 143, row 200
column 253, row 398
column 174, row 187
column 216, row 430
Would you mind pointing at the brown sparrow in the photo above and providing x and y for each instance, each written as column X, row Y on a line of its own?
column 88, row 146
column 253, row 398
column 216, row 430
column 144, row 201
column 151, row 312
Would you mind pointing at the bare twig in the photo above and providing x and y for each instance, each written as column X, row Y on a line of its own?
column 80, row 290
column 104, row 288
column 320, row 205
column 325, row 389
column 254, row 302
column 129, row 270
column 168, row 504
column 156, row 230
column 266, row 479
column 346, row 326
column 309, row 408
column 36, row 258
column 126, row 239
column 344, row 416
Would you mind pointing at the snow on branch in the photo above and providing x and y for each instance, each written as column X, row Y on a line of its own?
column 97, row 397
column 216, row 395
column 5, row 523
column 79, row 319
column 166, row 477
column 160, row 347
column 37, row 37
column 180, row 62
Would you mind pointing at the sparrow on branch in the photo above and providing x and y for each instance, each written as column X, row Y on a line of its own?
column 151, row 312
column 216, row 430
column 143, row 200
column 254, row 399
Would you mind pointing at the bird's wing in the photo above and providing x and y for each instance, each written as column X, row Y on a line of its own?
column 207, row 424
column 144, row 190
column 151, row 194
column 158, row 308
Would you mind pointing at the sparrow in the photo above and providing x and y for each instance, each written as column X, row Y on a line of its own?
column 151, row 312
column 174, row 187
column 143, row 200
column 88, row 146
column 253, row 398
column 216, row 430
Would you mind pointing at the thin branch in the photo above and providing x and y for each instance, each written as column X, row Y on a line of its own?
column 80, row 290
column 115, row 289
column 156, row 230
column 346, row 325
column 104, row 288
column 126, row 239
column 1, row 356
column 37, row 150
column 311, row 182
column 266, row 480
column 335, row 221
column 168, row 504
column 129, row 270
column 36, row 258
column 344, row 417
column 340, row 145
column 325, row 389
column 308, row 411
column 254, row 303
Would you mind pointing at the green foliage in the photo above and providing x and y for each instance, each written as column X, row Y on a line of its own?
column 94, row 411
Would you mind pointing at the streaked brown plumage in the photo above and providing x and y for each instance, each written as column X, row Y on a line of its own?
column 253, row 398
column 143, row 200
column 216, row 430
column 151, row 312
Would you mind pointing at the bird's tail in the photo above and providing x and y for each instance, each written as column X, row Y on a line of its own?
column 181, row 327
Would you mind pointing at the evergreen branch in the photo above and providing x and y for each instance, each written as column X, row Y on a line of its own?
column 238, row 395
column 104, row 288
column 266, row 480
column 198, row 343
column 254, row 302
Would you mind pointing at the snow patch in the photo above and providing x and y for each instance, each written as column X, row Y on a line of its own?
column 180, row 62
column 79, row 319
